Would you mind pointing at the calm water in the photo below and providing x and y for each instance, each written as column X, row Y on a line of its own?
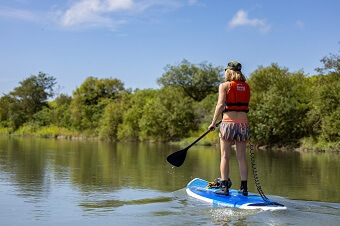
column 49, row 182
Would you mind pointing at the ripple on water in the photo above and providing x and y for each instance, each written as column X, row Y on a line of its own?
column 121, row 198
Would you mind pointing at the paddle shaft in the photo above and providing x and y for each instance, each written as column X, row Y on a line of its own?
column 177, row 158
column 203, row 135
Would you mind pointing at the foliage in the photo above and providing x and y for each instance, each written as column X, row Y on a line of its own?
column 28, row 128
column 278, row 104
column 111, row 119
column 90, row 100
column 49, row 131
column 197, row 81
column 331, row 64
column 27, row 99
column 5, row 130
column 285, row 107
column 6, row 103
column 61, row 111
column 204, row 110
column 134, row 106
column 33, row 92
column 325, row 113
column 54, row 132
column 148, row 115
column 55, row 113
column 169, row 116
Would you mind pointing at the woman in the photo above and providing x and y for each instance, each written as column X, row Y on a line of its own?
column 233, row 99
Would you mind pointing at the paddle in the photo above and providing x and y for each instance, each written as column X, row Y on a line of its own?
column 177, row 158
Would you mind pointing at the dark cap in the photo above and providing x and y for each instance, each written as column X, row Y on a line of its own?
column 234, row 65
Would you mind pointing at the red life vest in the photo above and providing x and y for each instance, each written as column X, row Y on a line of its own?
column 238, row 96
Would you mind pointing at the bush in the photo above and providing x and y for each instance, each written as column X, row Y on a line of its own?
column 278, row 105
column 169, row 116
column 54, row 132
column 111, row 119
column 324, row 116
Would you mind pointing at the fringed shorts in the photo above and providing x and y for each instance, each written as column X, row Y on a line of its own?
column 234, row 130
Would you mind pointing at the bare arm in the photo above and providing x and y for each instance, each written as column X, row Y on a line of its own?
column 222, row 92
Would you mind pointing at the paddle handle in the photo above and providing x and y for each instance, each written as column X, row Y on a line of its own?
column 203, row 135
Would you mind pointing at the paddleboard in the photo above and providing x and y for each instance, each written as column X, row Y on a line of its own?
column 197, row 188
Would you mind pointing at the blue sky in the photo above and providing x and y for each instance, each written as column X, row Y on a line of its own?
column 133, row 40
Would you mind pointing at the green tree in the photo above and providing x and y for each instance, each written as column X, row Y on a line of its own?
column 324, row 115
column 134, row 106
column 204, row 110
column 56, row 113
column 278, row 105
column 113, row 117
column 33, row 92
column 61, row 110
column 331, row 63
column 90, row 99
column 28, row 98
column 169, row 116
column 6, row 102
column 197, row 81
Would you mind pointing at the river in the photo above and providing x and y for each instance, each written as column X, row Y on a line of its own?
column 54, row 182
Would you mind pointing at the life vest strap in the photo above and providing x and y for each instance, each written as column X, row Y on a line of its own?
column 237, row 104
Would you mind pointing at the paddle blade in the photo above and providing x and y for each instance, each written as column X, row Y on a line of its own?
column 177, row 158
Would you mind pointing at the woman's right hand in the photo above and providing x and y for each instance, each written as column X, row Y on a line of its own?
column 212, row 126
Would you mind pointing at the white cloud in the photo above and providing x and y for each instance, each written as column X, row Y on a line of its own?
column 18, row 14
column 241, row 19
column 107, row 13
column 93, row 12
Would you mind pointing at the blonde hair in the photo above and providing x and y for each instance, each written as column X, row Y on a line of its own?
column 231, row 75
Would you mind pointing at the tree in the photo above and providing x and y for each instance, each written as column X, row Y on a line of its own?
column 33, row 92
column 90, row 99
column 112, row 118
column 168, row 116
column 324, row 115
column 6, row 102
column 278, row 105
column 331, row 63
column 134, row 107
column 28, row 98
column 197, row 81
column 56, row 113
column 61, row 112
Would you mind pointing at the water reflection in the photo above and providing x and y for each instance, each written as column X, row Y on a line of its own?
column 112, row 203
column 33, row 166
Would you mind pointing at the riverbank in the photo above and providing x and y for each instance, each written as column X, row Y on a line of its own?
column 53, row 132
column 304, row 145
column 211, row 139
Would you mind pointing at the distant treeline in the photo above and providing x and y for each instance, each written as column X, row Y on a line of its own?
column 285, row 107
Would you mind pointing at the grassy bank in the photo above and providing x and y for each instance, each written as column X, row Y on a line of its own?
column 308, row 144
column 5, row 131
column 55, row 132
column 305, row 144
column 47, row 132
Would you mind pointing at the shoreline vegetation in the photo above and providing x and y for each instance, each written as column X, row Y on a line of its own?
column 52, row 132
column 288, row 110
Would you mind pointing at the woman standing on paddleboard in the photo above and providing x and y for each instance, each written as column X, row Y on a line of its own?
column 233, row 99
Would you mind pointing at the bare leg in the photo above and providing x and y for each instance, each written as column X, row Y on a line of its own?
column 242, row 161
column 225, row 157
